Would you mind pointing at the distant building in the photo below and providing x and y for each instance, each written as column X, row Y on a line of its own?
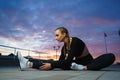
column 11, row 54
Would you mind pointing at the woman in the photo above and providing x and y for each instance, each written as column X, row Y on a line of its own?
column 74, row 55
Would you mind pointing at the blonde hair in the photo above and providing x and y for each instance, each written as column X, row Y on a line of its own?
column 64, row 30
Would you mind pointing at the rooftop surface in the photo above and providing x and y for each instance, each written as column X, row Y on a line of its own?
column 14, row 73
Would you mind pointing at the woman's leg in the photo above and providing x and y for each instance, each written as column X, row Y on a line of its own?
column 102, row 61
column 36, row 63
column 30, row 63
column 96, row 64
column 79, row 63
column 24, row 63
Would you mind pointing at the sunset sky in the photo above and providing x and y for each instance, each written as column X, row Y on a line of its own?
column 30, row 24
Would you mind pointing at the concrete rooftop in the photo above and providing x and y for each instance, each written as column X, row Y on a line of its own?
column 14, row 73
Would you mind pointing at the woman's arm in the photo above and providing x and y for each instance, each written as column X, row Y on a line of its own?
column 62, row 56
column 76, row 49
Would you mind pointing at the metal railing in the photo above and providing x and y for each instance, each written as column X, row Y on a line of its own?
column 15, row 49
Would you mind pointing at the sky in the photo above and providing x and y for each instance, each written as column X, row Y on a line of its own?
column 30, row 24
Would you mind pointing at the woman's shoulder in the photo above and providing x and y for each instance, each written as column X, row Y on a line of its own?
column 76, row 39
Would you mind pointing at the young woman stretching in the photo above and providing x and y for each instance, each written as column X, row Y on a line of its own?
column 74, row 55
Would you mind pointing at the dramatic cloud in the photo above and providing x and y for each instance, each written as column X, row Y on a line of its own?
column 31, row 23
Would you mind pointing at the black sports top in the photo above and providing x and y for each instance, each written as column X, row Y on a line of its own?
column 76, row 49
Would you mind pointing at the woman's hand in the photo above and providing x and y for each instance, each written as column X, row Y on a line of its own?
column 45, row 66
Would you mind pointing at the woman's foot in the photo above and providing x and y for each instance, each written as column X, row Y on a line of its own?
column 75, row 66
column 24, row 63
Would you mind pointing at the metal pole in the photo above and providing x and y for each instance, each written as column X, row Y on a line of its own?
column 56, row 54
column 39, row 55
column 56, row 48
column 15, row 55
column 105, row 44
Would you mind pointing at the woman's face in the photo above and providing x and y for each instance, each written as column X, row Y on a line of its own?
column 59, row 36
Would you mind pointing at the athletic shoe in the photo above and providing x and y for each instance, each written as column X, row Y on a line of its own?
column 24, row 63
column 75, row 66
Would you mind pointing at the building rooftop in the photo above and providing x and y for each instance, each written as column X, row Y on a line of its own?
column 14, row 73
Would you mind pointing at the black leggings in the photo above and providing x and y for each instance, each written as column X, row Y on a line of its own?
column 102, row 61
column 37, row 63
column 92, row 64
